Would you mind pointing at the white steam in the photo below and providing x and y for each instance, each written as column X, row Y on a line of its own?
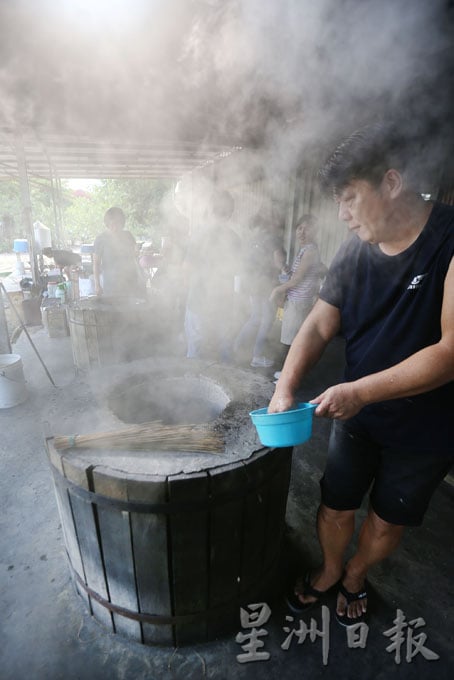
column 241, row 71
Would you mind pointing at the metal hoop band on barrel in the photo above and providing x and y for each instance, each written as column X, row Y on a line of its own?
column 144, row 617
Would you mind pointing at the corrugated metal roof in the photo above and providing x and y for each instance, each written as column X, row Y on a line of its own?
column 65, row 156
column 156, row 89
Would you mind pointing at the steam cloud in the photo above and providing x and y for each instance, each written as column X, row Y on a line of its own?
column 238, row 71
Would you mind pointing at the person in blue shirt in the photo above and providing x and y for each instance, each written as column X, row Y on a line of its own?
column 390, row 293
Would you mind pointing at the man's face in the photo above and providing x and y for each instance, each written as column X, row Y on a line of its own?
column 116, row 223
column 366, row 209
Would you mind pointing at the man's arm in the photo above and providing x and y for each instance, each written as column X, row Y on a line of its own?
column 423, row 371
column 319, row 328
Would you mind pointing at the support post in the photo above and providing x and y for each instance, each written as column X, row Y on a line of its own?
column 26, row 202
column 54, row 206
column 5, row 343
column 290, row 218
column 55, row 187
column 60, row 226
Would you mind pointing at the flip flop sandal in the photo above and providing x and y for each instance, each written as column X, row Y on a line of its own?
column 294, row 603
column 345, row 620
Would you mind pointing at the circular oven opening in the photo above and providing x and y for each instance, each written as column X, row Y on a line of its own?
column 174, row 400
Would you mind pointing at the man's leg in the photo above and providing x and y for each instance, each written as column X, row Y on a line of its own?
column 403, row 487
column 335, row 529
column 349, row 472
column 377, row 540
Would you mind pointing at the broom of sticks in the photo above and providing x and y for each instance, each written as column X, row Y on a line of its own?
column 151, row 436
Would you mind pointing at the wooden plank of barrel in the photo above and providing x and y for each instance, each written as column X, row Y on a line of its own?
column 98, row 336
column 225, row 546
column 254, row 524
column 115, row 539
column 78, row 344
column 85, row 522
column 276, row 502
column 150, row 540
column 69, row 533
column 189, row 532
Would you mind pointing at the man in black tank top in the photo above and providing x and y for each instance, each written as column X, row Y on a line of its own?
column 390, row 292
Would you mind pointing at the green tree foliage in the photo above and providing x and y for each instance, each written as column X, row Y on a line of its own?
column 140, row 199
column 82, row 212
column 12, row 224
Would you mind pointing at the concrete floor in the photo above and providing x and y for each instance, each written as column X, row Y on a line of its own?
column 46, row 633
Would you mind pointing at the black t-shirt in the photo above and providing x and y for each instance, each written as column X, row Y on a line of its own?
column 390, row 308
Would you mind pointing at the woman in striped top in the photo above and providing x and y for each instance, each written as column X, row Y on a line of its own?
column 301, row 290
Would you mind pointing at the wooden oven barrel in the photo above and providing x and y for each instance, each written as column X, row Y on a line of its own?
column 107, row 331
column 169, row 560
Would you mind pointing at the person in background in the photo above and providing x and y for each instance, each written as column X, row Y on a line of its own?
column 259, row 278
column 390, row 292
column 280, row 262
column 167, row 288
column 149, row 260
column 297, row 295
column 115, row 267
column 211, row 264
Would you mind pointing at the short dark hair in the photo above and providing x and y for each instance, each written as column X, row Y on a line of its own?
column 113, row 213
column 366, row 154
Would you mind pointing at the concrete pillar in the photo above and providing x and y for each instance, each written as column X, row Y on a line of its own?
column 5, row 344
column 290, row 218
column 26, row 202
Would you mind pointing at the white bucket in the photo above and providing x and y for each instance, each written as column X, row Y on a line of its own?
column 12, row 381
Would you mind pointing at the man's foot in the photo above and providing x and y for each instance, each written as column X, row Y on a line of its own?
column 305, row 595
column 351, row 605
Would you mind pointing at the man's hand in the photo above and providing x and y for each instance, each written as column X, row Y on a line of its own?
column 320, row 327
column 281, row 402
column 340, row 401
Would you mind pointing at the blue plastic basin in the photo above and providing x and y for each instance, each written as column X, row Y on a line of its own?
column 288, row 428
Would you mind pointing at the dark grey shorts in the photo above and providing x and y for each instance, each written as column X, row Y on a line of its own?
column 401, row 483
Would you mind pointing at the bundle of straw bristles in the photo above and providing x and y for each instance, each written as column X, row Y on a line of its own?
column 152, row 436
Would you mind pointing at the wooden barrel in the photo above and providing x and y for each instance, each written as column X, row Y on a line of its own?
column 169, row 560
column 107, row 331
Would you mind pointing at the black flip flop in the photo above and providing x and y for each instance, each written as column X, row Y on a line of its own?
column 345, row 620
column 294, row 603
